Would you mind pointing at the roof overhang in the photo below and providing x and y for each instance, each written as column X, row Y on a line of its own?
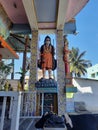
column 6, row 51
column 52, row 14
column 42, row 14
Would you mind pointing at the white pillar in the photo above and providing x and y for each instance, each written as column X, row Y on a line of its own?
column 3, row 113
column 16, row 112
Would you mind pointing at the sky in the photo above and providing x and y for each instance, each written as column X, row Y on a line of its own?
column 87, row 26
column 85, row 40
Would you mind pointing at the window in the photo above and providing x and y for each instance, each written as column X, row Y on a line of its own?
column 97, row 74
column 93, row 75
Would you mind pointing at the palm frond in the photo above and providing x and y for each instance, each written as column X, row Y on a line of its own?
column 78, row 64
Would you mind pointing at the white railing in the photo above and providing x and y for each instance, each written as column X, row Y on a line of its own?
column 16, row 96
column 22, row 105
column 28, row 105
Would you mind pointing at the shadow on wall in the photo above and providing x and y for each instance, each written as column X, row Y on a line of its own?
column 89, row 99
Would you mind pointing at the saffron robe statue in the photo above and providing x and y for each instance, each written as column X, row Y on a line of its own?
column 47, row 61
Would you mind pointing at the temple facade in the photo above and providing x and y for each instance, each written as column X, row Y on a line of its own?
column 34, row 17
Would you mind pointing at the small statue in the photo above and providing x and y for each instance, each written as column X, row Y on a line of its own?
column 6, row 86
column 47, row 61
column 19, row 87
column 66, row 53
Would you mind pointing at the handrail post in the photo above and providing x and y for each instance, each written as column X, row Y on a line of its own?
column 3, row 113
column 42, row 105
column 16, row 112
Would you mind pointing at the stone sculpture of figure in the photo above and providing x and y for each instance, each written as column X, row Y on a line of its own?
column 66, row 52
column 47, row 61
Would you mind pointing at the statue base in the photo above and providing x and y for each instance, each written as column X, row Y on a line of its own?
column 46, row 85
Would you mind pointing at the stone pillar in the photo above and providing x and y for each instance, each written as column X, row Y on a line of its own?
column 60, row 73
column 33, row 64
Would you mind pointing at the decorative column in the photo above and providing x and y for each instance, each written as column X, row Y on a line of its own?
column 60, row 73
column 69, row 87
column 24, row 62
column 33, row 64
column 68, row 75
column 66, row 53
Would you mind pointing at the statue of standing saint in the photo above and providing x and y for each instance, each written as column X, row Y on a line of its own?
column 66, row 52
column 47, row 61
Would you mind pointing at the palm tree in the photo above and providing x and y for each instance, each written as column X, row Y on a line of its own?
column 22, row 73
column 78, row 65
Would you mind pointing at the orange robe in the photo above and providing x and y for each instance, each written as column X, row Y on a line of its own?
column 47, row 58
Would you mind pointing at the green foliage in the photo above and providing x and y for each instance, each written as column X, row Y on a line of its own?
column 22, row 73
column 78, row 64
column 5, row 70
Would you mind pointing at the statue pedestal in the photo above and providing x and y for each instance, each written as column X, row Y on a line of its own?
column 47, row 95
column 46, row 85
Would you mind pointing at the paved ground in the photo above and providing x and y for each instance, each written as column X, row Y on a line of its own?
column 24, row 124
column 29, row 124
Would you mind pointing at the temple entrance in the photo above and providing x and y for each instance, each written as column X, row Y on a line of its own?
column 46, row 102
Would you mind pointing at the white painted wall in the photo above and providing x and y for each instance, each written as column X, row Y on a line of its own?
column 92, row 70
column 87, row 92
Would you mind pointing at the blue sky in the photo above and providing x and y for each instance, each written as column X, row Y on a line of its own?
column 87, row 38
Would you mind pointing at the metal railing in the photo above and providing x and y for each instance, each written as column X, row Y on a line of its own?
column 16, row 97
column 28, row 105
column 22, row 105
